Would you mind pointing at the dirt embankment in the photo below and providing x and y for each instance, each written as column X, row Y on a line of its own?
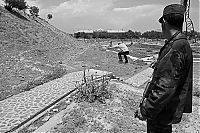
column 31, row 48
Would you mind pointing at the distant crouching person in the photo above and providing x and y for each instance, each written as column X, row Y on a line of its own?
column 123, row 51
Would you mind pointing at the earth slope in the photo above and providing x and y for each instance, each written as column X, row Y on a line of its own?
column 30, row 48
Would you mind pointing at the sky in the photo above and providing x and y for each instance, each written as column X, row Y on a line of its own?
column 136, row 15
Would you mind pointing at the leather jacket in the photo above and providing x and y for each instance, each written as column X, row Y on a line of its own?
column 171, row 95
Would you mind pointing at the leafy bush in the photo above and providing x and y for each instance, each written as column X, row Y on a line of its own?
column 19, row 4
column 49, row 16
column 34, row 11
column 9, row 8
column 93, row 89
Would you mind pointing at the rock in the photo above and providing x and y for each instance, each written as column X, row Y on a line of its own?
column 55, row 110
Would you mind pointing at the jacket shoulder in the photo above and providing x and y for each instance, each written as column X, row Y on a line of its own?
column 180, row 43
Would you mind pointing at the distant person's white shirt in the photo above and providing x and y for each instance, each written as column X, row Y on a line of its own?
column 123, row 47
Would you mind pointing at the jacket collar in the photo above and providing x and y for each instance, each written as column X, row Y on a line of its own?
column 179, row 36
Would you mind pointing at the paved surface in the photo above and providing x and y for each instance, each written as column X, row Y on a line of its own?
column 18, row 108
column 140, row 78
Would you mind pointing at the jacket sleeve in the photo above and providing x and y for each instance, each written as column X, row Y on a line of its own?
column 167, row 77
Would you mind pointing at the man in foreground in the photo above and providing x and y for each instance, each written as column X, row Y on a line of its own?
column 169, row 93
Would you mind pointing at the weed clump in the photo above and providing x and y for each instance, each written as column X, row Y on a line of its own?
column 93, row 89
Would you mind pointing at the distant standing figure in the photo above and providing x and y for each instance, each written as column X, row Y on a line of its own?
column 123, row 51
column 110, row 44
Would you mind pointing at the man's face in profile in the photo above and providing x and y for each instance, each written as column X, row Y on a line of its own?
column 163, row 26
